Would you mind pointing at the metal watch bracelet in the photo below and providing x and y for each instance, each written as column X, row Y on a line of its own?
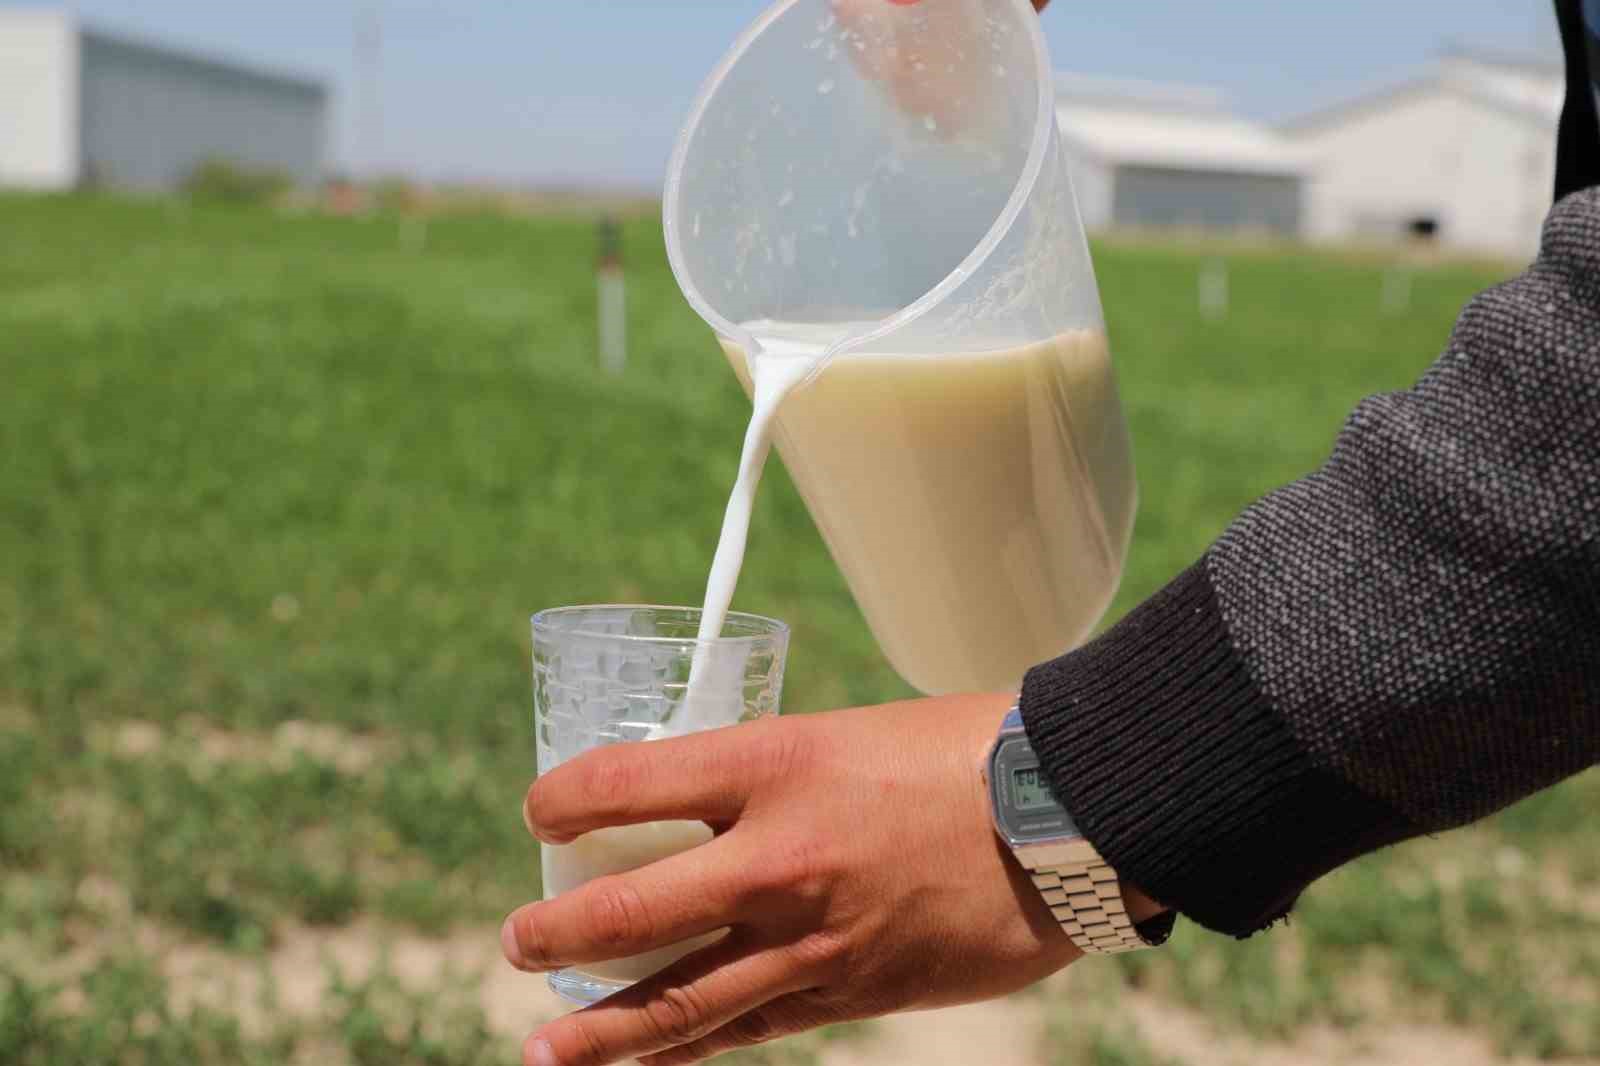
column 1084, row 895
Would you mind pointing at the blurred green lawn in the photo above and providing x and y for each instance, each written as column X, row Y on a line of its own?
column 260, row 469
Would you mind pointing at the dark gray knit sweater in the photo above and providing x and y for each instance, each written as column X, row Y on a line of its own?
column 1402, row 642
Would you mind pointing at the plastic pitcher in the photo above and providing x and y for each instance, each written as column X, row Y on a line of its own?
column 892, row 173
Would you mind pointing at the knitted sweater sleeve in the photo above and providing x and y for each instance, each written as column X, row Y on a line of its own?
column 1404, row 641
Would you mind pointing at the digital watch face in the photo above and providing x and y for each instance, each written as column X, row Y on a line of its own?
column 1027, row 809
column 1029, row 790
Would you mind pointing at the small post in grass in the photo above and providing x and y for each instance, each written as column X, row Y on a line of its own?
column 1396, row 297
column 413, row 231
column 1214, row 289
column 613, row 301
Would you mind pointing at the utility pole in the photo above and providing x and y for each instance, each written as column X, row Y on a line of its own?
column 369, row 57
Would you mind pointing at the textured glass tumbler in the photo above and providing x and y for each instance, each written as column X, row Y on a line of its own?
column 621, row 674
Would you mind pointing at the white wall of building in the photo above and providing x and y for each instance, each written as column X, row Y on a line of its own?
column 39, row 143
column 1482, row 166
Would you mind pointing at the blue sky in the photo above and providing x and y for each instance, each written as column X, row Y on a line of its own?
column 542, row 91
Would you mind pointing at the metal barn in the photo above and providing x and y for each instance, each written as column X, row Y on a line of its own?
column 80, row 106
column 1164, row 156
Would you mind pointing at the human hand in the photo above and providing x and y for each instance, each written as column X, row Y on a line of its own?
column 855, row 866
column 925, row 65
column 1038, row 5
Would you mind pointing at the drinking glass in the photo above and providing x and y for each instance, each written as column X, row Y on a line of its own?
column 622, row 674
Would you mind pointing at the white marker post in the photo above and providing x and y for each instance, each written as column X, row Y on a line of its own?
column 1214, row 289
column 413, row 232
column 613, row 300
column 1396, row 298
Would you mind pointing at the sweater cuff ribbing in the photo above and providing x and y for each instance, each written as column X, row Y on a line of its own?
column 1183, row 777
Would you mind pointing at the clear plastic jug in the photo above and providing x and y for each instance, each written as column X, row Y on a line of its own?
column 888, row 178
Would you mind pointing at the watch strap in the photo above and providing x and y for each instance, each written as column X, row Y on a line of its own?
column 1086, row 899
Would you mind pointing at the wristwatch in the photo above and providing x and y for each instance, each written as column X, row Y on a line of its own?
column 1082, row 891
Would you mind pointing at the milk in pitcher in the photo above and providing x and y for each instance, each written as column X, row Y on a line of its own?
column 979, row 504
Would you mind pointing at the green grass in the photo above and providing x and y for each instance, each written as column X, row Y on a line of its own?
column 261, row 469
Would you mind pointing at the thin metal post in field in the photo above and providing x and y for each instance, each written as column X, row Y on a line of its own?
column 369, row 62
column 1214, row 289
column 1396, row 296
column 414, row 233
column 613, row 300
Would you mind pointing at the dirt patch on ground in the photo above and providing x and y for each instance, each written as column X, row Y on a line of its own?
column 1187, row 1036
column 1009, row 1032
column 201, row 744
column 1565, row 892
column 1003, row 1032
column 293, row 981
column 15, row 717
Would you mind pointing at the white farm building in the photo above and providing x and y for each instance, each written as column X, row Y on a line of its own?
column 1145, row 155
column 1464, row 153
column 79, row 106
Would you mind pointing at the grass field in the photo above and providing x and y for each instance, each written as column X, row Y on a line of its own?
column 279, row 494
